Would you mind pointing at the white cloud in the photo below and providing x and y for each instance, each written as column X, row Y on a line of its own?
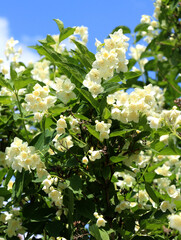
column 27, row 55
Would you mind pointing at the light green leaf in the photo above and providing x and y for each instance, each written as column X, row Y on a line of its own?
column 65, row 33
column 106, row 113
column 59, row 24
column 5, row 100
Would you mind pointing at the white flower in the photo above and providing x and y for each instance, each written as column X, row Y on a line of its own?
column 101, row 222
column 167, row 205
column 85, row 160
column 175, row 221
column 122, row 206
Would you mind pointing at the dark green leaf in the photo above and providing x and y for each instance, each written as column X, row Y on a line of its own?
column 151, row 193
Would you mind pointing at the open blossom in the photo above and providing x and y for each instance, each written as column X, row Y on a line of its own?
column 175, row 221
column 167, row 205
column 94, row 155
column 122, row 206
column 101, row 222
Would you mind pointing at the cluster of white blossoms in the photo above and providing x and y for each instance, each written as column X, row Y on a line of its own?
column 109, row 58
column 19, row 155
column 127, row 107
column 101, row 222
column 54, row 193
column 10, row 50
column 13, row 223
column 83, row 32
column 103, row 128
column 39, row 101
column 41, row 71
column 64, row 89
column 157, row 10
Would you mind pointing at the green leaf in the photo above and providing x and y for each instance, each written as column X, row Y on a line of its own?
column 80, row 116
column 65, row 33
column 58, row 109
column 104, row 234
column 21, row 83
column 130, row 75
column 59, row 24
column 18, row 185
column 117, row 159
column 87, row 95
column 5, row 193
column 94, row 231
column 106, row 113
column 42, row 140
column 54, row 228
column 2, row 173
column 13, row 73
column 151, row 193
column 8, row 177
column 37, row 211
column 124, row 28
column 92, row 131
column 75, row 183
column 4, row 83
column 141, row 27
column 86, row 208
column 5, row 100
column 120, row 133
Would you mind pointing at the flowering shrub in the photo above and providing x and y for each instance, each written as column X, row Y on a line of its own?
column 91, row 144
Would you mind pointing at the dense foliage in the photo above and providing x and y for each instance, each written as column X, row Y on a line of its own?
column 91, row 143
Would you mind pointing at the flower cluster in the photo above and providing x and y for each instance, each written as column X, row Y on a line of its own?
column 10, row 50
column 83, row 32
column 39, row 101
column 19, row 155
column 13, row 223
column 127, row 107
column 55, row 194
column 103, row 128
column 109, row 58
column 64, row 89
column 41, row 71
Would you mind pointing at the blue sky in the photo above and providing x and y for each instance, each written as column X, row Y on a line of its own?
column 29, row 21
